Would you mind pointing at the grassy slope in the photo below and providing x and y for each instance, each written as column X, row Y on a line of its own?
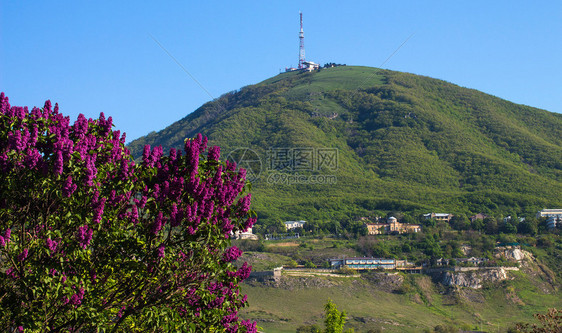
column 281, row 310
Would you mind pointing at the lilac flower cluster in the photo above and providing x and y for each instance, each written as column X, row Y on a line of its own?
column 76, row 298
column 84, row 236
column 4, row 240
column 231, row 254
column 52, row 245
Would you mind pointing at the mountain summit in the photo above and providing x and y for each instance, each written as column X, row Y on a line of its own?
column 346, row 141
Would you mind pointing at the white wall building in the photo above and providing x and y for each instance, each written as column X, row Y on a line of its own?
column 294, row 224
column 553, row 217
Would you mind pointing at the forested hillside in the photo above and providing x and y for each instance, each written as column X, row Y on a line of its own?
column 400, row 142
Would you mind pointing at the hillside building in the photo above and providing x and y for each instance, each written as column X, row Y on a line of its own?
column 393, row 226
column 363, row 263
column 294, row 224
column 438, row 216
column 248, row 234
column 553, row 222
column 368, row 263
column 479, row 216
column 553, row 217
column 549, row 213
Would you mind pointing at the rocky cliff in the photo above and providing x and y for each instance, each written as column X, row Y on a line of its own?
column 473, row 279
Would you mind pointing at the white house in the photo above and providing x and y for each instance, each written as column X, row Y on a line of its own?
column 549, row 213
column 438, row 216
column 248, row 234
column 294, row 224
column 553, row 217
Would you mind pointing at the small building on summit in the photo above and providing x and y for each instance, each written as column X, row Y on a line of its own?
column 310, row 66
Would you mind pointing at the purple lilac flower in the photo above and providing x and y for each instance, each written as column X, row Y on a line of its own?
column 23, row 255
column 69, row 187
column 214, row 153
column 76, row 299
column 231, row 254
column 242, row 273
column 84, row 236
column 250, row 326
column 134, row 214
column 81, row 125
column 120, row 313
column 160, row 251
column 14, row 140
column 98, row 210
column 157, row 225
column 59, row 162
column 249, row 223
column 52, row 245
column 105, row 124
column 244, row 203
column 146, row 156
column 32, row 158
column 155, row 156
column 174, row 215
column 4, row 104
column 208, row 210
column 91, row 170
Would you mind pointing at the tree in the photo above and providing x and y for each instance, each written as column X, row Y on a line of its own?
column 491, row 225
column 91, row 241
column 460, row 222
column 334, row 319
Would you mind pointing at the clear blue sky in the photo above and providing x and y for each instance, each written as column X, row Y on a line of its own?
column 99, row 56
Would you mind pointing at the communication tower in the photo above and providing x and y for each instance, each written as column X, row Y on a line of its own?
column 301, row 46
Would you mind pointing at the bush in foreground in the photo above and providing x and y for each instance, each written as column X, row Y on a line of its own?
column 90, row 241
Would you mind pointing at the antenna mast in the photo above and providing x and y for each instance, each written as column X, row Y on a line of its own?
column 301, row 46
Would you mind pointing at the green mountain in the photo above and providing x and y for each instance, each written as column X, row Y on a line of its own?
column 349, row 141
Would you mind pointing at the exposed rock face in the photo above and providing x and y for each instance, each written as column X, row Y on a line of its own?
column 385, row 281
column 473, row 279
column 293, row 282
column 514, row 254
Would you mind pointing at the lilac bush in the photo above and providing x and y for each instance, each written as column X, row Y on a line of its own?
column 91, row 241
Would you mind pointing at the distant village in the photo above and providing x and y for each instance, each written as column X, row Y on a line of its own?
column 391, row 226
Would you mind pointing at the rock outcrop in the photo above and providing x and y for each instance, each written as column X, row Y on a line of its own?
column 512, row 254
column 473, row 279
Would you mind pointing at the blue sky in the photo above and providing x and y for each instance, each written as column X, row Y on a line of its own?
column 99, row 56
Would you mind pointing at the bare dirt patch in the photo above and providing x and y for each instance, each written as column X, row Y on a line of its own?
column 285, row 244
